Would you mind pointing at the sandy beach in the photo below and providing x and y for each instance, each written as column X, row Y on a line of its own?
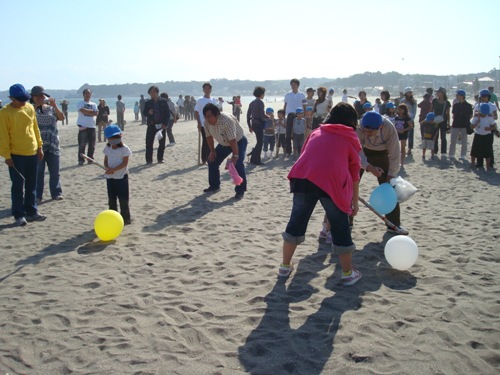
column 190, row 287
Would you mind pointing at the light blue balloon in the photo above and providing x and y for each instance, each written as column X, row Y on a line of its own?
column 383, row 199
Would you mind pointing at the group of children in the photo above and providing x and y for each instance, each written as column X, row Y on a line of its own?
column 275, row 131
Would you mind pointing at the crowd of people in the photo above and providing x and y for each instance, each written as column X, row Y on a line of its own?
column 373, row 138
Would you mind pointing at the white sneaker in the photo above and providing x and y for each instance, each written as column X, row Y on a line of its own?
column 171, row 144
column 21, row 222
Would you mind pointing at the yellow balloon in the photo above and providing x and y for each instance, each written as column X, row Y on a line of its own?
column 108, row 225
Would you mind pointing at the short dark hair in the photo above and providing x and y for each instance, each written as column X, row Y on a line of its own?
column 295, row 80
column 119, row 97
column 212, row 108
column 87, row 90
column 259, row 91
column 164, row 95
column 343, row 113
column 155, row 88
column 282, row 111
column 206, row 84
column 385, row 94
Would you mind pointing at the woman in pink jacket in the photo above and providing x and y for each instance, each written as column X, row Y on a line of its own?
column 326, row 171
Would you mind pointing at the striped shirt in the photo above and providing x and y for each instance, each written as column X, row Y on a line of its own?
column 225, row 129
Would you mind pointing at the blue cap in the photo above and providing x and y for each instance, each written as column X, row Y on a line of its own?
column 18, row 92
column 331, row 90
column 269, row 110
column 430, row 117
column 461, row 93
column 484, row 93
column 390, row 105
column 367, row 105
column 299, row 110
column 371, row 120
column 309, row 108
column 484, row 108
column 111, row 131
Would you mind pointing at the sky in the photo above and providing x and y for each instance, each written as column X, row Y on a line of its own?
column 65, row 44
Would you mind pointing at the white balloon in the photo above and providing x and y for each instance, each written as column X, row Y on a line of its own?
column 401, row 252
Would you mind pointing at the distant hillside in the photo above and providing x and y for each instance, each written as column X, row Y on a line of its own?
column 392, row 81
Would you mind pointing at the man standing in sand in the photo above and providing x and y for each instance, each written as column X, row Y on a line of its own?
column 21, row 146
column 158, row 115
column 198, row 114
column 229, row 134
column 293, row 100
column 142, row 101
column 87, row 110
column 120, row 113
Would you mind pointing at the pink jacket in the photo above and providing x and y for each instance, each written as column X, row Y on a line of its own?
column 330, row 160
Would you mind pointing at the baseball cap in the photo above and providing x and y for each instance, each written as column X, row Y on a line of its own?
column 484, row 108
column 111, row 131
column 371, row 120
column 331, row 89
column 310, row 89
column 484, row 93
column 299, row 110
column 461, row 93
column 309, row 108
column 430, row 117
column 367, row 105
column 38, row 90
column 441, row 89
column 407, row 90
column 18, row 92
column 390, row 105
column 269, row 110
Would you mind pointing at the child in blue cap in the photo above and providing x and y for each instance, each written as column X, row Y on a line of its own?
column 482, row 145
column 429, row 131
column 116, row 162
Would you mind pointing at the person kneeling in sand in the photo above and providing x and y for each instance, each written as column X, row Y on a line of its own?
column 331, row 178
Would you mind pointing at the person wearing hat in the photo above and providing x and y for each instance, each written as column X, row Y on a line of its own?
column 380, row 154
column 485, row 97
column 411, row 103
column 482, row 144
column 330, row 94
column 47, row 115
column 21, row 146
column 87, row 111
column 367, row 107
column 429, row 131
column 116, row 161
column 462, row 113
column 441, row 107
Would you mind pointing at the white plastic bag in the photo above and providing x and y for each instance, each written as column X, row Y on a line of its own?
column 159, row 135
column 404, row 189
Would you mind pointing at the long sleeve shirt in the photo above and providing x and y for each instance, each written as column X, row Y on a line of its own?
column 385, row 139
column 19, row 132
column 256, row 114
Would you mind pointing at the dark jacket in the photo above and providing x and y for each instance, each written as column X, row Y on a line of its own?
column 163, row 114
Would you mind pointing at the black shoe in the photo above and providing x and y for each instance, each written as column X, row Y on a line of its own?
column 239, row 196
column 256, row 163
column 211, row 190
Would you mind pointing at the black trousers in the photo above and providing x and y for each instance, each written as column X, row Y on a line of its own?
column 86, row 136
column 289, row 130
column 258, row 130
column 118, row 189
column 150, row 140
column 205, row 150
